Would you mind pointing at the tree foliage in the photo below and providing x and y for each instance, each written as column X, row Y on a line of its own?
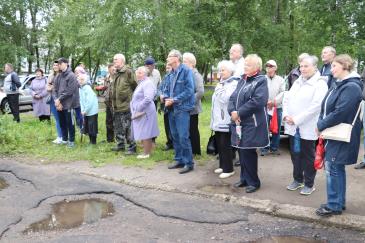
column 92, row 31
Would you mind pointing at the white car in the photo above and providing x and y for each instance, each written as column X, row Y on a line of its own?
column 25, row 99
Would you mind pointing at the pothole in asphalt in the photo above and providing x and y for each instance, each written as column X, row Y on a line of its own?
column 221, row 188
column 286, row 239
column 3, row 184
column 71, row 214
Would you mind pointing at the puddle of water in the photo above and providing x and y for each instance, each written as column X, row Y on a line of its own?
column 218, row 188
column 3, row 184
column 66, row 215
column 287, row 239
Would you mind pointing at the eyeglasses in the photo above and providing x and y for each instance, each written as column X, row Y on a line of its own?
column 270, row 66
column 171, row 56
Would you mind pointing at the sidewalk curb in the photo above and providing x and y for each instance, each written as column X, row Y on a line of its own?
column 348, row 221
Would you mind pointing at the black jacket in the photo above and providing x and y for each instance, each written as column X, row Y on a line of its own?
column 66, row 89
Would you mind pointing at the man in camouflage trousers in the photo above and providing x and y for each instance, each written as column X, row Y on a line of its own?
column 122, row 88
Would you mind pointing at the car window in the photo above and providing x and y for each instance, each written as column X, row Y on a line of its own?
column 2, row 78
column 28, row 83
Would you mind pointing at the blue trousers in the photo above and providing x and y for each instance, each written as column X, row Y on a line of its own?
column 67, row 125
column 336, row 186
column 248, row 161
column 275, row 138
column 179, row 125
column 56, row 117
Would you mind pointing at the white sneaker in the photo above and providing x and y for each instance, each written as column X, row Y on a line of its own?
column 218, row 171
column 57, row 140
column 226, row 175
column 143, row 156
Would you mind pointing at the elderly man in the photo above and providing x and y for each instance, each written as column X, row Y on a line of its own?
column 154, row 74
column 179, row 99
column 190, row 61
column 122, row 87
column 11, row 86
column 236, row 57
column 67, row 98
column 276, row 85
column 328, row 54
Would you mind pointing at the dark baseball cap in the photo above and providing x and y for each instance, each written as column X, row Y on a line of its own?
column 149, row 61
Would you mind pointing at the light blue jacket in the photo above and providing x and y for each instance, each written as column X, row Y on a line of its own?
column 88, row 100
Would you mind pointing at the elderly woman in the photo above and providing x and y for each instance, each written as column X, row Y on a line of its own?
column 340, row 105
column 144, row 115
column 50, row 85
column 39, row 94
column 220, row 119
column 247, row 107
column 301, row 108
column 190, row 61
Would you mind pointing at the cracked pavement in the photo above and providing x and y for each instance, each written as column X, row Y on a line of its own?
column 141, row 215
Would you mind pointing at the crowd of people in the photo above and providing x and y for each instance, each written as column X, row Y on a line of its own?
column 245, row 101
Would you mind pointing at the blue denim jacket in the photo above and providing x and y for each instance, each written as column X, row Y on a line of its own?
column 180, row 87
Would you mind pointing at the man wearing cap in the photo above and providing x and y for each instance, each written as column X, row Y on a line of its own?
column 66, row 94
column 11, row 89
column 276, row 86
column 154, row 74
column 122, row 86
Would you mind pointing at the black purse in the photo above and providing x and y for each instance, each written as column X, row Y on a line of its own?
column 212, row 145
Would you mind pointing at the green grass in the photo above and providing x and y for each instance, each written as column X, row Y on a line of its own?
column 33, row 139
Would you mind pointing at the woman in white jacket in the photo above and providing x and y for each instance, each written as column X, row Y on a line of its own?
column 220, row 119
column 301, row 108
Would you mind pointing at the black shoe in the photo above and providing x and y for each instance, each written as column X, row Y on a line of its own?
column 250, row 189
column 325, row 205
column 326, row 212
column 239, row 184
column 186, row 169
column 116, row 149
column 167, row 147
column 237, row 163
column 131, row 152
column 175, row 166
column 361, row 165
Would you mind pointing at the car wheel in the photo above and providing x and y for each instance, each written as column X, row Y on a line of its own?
column 5, row 107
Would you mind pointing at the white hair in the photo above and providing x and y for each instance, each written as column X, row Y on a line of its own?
column 240, row 47
column 256, row 59
column 311, row 59
column 227, row 65
column 330, row 48
column 120, row 56
column 302, row 56
column 144, row 69
column 190, row 58
column 176, row 53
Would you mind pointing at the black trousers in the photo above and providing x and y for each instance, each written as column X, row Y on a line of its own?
column 13, row 100
column 195, row 135
column 303, row 162
column 67, row 125
column 109, row 124
column 167, row 130
column 223, row 140
column 44, row 118
column 248, row 161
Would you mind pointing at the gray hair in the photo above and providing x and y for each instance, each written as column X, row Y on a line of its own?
column 176, row 53
column 120, row 56
column 302, row 56
column 190, row 58
column 226, row 64
column 311, row 59
column 240, row 48
column 330, row 48
column 144, row 69
column 256, row 59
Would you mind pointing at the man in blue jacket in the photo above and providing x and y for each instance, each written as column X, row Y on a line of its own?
column 179, row 100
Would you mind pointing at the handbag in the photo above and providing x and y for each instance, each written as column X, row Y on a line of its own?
column 319, row 159
column 340, row 132
column 212, row 145
column 274, row 126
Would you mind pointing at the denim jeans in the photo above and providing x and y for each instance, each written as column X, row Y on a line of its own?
column 179, row 126
column 56, row 117
column 336, row 186
column 275, row 138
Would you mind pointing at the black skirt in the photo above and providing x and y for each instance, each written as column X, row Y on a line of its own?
column 91, row 125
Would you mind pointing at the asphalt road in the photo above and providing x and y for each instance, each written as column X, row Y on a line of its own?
column 140, row 215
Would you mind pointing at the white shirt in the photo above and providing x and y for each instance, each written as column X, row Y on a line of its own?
column 156, row 77
column 303, row 103
column 239, row 67
column 276, row 86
